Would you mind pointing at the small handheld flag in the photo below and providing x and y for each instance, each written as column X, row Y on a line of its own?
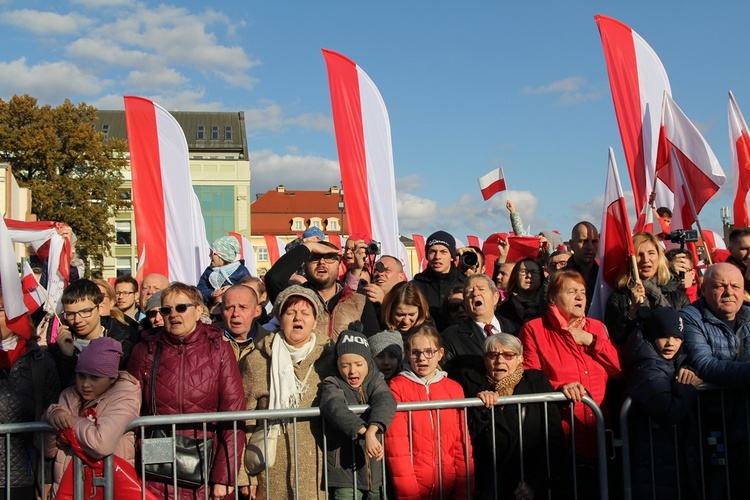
column 492, row 183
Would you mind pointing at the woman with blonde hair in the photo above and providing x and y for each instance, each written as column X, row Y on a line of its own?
column 405, row 308
column 655, row 287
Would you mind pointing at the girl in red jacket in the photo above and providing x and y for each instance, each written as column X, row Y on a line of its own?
column 440, row 459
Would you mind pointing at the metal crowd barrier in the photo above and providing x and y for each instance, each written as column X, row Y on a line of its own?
column 157, row 453
column 717, row 466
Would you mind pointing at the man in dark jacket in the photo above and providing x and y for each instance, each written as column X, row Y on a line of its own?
column 441, row 274
column 584, row 242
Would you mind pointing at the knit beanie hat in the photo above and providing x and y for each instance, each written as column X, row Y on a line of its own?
column 154, row 301
column 387, row 340
column 314, row 231
column 100, row 358
column 298, row 291
column 554, row 239
column 663, row 322
column 226, row 247
column 351, row 342
column 441, row 238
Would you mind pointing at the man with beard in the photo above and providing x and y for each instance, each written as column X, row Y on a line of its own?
column 321, row 264
column 584, row 242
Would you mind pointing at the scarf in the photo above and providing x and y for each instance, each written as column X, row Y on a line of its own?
column 654, row 293
column 220, row 274
column 10, row 350
column 507, row 385
column 285, row 390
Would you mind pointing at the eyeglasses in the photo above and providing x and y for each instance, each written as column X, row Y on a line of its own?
column 180, row 308
column 558, row 265
column 455, row 306
column 152, row 313
column 428, row 354
column 120, row 294
column 83, row 313
column 494, row 355
column 524, row 272
column 326, row 259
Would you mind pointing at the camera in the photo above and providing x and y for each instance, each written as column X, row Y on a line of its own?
column 682, row 236
column 469, row 259
column 373, row 248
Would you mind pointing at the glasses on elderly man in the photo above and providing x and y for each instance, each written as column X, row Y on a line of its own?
column 494, row 355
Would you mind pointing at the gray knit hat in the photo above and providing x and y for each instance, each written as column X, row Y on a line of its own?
column 100, row 358
column 154, row 301
column 298, row 291
column 351, row 342
column 387, row 340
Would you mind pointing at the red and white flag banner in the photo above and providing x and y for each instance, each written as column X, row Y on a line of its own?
column 474, row 241
column 33, row 292
column 492, row 183
column 170, row 230
column 739, row 146
column 16, row 313
column 276, row 247
column 712, row 241
column 419, row 247
column 615, row 240
column 680, row 142
column 638, row 81
column 363, row 139
column 247, row 253
column 335, row 239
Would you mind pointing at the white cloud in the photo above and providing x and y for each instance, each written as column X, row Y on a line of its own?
column 48, row 82
column 294, row 171
column 187, row 100
column 45, row 23
column 272, row 117
column 592, row 210
column 409, row 184
column 151, row 81
column 103, row 3
column 572, row 90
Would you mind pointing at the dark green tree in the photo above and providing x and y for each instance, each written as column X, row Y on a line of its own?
column 72, row 171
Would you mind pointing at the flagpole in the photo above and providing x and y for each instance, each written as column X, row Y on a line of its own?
column 678, row 169
column 502, row 176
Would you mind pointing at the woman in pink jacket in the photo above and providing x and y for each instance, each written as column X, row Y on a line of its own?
column 98, row 408
column 427, row 471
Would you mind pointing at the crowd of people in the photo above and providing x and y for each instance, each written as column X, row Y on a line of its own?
column 329, row 328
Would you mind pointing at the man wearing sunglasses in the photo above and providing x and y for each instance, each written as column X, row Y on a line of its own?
column 464, row 342
column 321, row 262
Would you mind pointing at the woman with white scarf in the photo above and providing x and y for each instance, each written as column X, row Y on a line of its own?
column 285, row 371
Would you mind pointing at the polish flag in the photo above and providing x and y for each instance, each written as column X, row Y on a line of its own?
column 522, row 247
column 335, row 239
column 682, row 147
column 33, row 292
column 247, row 253
column 474, row 241
column 363, row 139
column 712, row 241
column 615, row 241
column 490, row 250
column 492, row 183
column 638, row 81
column 645, row 222
column 16, row 313
column 170, row 231
column 739, row 145
column 419, row 247
column 276, row 247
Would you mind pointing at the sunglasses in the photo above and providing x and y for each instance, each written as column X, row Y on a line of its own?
column 494, row 355
column 152, row 313
column 180, row 308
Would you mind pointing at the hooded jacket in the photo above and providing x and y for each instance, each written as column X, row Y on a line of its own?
column 435, row 286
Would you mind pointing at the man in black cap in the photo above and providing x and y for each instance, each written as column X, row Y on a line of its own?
column 440, row 276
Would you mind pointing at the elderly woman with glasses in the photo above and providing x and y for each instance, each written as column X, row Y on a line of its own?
column 186, row 367
column 519, row 445
column 525, row 296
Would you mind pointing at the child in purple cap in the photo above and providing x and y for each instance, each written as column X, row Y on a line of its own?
column 98, row 408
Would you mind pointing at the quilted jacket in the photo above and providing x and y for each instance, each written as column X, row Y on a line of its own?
column 196, row 373
column 17, row 405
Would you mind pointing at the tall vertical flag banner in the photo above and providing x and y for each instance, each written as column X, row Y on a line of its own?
column 638, row 81
column 615, row 240
column 419, row 247
column 16, row 313
column 681, row 145
column 33, row 292
column 276, row 248
column 492, row 183
column 247, row 253
column 474, row 241
column 739, row 146
column 363, row 139
column 170, row 231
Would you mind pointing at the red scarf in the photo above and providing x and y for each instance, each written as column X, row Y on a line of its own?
column 8, row 358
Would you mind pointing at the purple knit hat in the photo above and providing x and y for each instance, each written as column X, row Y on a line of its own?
column 100, row 358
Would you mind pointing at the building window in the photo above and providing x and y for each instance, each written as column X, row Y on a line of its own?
column 123, row 265
column 105, row 130
column 201, row 133
column 126, row 194
column 227, row 133
column 214, row 133
column 123, row 232
column 298, row 224
column 262, row 255
column 217, row 205
column 333, row 225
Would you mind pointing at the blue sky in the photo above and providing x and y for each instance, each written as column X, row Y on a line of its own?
column 469, row 86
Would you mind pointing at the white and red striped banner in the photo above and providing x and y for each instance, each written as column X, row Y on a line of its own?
column 739, row 146
column 16, row 313
column 712, row 241
column 335, row 239
column 33, row 292
column 363, row 139
column 419, row 247
column 474, row 241
column 638, row 81
column 492, row 183
column 276, row 247
column 170, row 230
column 247, row 253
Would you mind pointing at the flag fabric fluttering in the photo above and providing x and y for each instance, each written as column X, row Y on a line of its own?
column 492, row 183
column 247, row 253
column 474, row 241
column 615, row 241
column 33, row 292
column 276, row 247
column 712, row 241
column 739, row 146
column 419, row 247
column 363, row 140
column 170, row 230
column 682, row 146
column 16, row 313
column 335, row 239
column 638, row 82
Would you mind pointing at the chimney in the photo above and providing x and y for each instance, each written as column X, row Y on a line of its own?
column 280, row 188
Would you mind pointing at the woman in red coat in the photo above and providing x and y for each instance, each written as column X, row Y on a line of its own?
column 427, row 471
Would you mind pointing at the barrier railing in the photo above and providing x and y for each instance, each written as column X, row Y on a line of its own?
column 158, row 453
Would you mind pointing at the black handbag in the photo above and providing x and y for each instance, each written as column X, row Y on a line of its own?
column 189, row 452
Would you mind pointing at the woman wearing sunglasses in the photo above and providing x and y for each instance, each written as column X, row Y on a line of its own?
column 505, row 376
column 185, row 367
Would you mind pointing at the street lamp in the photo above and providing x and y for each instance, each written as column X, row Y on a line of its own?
column 341, row 210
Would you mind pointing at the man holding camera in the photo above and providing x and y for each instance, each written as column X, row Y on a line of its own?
column 470, row 261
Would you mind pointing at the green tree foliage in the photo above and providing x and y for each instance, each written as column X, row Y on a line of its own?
column 73, row 172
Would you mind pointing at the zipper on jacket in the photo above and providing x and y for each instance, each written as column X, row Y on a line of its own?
column 181, row 375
